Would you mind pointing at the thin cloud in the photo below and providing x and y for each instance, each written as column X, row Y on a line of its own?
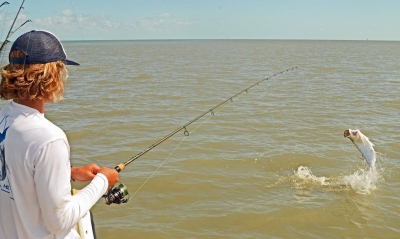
column 95, row 24
column 44, row 23
column 67, row 12
column 163, row 15
column 68, row 20
column 162, row 22
column 9, row 19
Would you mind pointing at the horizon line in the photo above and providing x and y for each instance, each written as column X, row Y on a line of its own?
column 235, row 39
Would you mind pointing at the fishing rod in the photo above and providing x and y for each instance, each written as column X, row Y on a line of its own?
column 120, row 193
column 10, row 32
column 4, row 3
column 19, row 27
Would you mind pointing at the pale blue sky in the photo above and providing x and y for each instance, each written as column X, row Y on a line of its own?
column 208, row 19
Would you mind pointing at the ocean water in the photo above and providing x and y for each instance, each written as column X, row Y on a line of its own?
column 273, row 163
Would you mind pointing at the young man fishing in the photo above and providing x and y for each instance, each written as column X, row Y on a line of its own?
column 35, row 171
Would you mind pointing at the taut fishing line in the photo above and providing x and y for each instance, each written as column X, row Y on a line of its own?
column 183, row 139
column 77, row 20
column 119, row 194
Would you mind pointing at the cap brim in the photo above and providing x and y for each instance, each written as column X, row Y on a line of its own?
column 71, row 62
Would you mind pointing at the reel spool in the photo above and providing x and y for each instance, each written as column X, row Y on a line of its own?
column 117, row 195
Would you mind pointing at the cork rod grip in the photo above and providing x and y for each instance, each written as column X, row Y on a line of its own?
column 120, row 167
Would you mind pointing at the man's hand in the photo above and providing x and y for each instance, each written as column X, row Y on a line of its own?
column 111, row 174
column 84, row 173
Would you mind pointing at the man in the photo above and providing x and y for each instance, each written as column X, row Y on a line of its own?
column 35, row 172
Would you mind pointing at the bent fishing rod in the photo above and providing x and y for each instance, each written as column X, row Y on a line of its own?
column 120, row 193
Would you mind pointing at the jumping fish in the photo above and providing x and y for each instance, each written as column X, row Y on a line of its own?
column 363, row 144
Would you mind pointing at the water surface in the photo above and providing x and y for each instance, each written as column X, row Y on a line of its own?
column 271, row 164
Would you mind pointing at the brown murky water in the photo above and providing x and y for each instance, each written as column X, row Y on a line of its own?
column 271, row 164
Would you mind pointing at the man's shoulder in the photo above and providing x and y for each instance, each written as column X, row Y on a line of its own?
column 41, row 127
column 34, row 129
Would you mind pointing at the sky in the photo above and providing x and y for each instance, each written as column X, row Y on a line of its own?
column 207, row 19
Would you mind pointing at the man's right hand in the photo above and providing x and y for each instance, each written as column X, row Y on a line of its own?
column 111, row 174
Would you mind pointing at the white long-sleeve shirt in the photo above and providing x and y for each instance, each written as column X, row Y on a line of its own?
column 35, row 189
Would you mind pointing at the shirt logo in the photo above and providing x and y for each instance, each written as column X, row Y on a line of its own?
column 3, row 165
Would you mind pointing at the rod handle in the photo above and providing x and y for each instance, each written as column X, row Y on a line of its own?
column 120, row 167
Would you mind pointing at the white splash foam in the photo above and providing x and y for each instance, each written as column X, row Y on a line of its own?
column 362, row 181
column 304, row 173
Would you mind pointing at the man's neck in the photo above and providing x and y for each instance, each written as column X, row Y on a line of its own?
column 35, row 104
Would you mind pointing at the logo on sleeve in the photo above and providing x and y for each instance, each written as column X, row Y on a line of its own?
column 3, row 165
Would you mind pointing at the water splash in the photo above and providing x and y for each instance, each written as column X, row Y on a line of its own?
column 305, row 179
column 362, row 181
column 304, row 173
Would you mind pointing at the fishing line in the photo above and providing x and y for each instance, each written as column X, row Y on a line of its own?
column 77, row 21
column 2, row 30
column 10, row 32
column 120, row 193
column 183, row 139
column 121, row 166
column 5, row 18
column 2, row 10
column 12, row 25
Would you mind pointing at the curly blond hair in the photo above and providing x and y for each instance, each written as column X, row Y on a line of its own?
column 33, row 81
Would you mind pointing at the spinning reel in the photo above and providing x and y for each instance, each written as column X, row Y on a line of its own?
column 117, row 195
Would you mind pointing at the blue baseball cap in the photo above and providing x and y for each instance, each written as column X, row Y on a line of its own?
column 39, row 47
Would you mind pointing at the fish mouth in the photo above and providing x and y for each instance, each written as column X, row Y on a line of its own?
column 346, row 133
